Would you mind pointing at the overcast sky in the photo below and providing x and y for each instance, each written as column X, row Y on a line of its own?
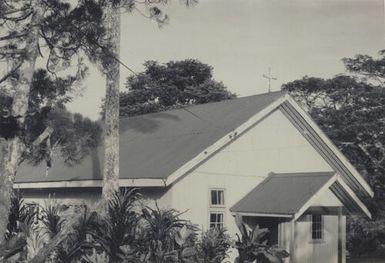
column 241, row 39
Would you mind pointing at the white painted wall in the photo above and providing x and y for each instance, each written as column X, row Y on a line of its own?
column 66, row 196
column 322, row 251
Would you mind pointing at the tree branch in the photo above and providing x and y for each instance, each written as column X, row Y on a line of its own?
column 10, row 73
column 12, row 11
column 13, row 36
column 45, row 134
column 19, row 18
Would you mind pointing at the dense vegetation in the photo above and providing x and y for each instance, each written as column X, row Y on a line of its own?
column 127, row 232
column 350, row 109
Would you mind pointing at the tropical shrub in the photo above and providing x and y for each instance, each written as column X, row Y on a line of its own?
column 19, row 228
column 118, row 227
column 19, row 215
column 35, row 241
column 213, row 245
column 81, row 238
column 365, row 237
column 124, row 232
column 95, row 257
column 166, row 237
column 51, row 217
column 252, row 246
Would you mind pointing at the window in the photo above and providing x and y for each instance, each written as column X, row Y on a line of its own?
column 316, row 227
column 217, row 197
column 216, row 220
column 216, row 208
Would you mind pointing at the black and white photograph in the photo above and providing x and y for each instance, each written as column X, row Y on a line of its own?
column 192, row 131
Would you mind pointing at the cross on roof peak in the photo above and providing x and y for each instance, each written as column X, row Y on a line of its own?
column 270, row 78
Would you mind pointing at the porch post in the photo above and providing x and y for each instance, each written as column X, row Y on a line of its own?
column 293, row 234
column 340, row 233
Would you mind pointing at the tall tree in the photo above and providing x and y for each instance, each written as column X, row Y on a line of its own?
column 28, row 27
column 110, row 66
column 170, row 85
column 111, row 120
column 25, row 67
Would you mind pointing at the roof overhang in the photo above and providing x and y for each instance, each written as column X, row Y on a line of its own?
column 351, row 203
column 342, row 191
column 90, row 184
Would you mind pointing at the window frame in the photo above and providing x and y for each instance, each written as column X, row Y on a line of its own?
column 210, row 198
column 216, row 224
column 216, row 209
column 317, row 228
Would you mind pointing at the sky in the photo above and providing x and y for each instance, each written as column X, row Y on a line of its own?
column 241, row 39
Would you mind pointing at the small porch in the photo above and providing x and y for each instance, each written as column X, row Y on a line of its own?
column 305, row 213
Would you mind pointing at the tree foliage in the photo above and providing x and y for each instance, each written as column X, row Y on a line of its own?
column 173, row 84
column 368, row 67
column 351, row 111
column 352, row 114
column 65, row 31
column 73, row 135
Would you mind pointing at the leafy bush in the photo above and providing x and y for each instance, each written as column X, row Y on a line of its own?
column 96, row 257
column 19, row 216
column 166, row 237
column 365, row 237
column 19, row 228
column 213, row 245
column 126, row 232
column 253, row 245
column 118, row 228
column 51, row 217
column 35, row 241
column 81, row 237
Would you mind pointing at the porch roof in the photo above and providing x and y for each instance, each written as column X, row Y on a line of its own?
column 290, row 195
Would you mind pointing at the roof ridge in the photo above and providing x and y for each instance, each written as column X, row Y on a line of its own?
column 199, row 105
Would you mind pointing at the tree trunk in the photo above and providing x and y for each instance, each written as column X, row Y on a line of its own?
column 111, row 132
column 10, row 150
column 111, row 129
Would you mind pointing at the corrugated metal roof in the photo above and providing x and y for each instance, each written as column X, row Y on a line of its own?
column 282, row 194
column 155, row 145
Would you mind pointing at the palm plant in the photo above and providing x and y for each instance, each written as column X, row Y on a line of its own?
column 166, row 237
column 213, row 245
column 252, row 246
column 95, row 257
column 119, row 225
column 51, row 217
column 81, row 238
column 185, row 239
column 35, row 241
column 19, row 214
column 20, row 222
